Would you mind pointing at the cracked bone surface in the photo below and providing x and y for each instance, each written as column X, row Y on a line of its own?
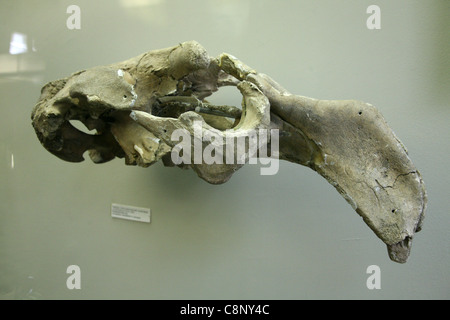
column 136, row 105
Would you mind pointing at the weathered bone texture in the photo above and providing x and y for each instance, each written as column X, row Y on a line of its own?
column 136, row 105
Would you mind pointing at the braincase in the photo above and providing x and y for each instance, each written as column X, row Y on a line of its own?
column 103, row 87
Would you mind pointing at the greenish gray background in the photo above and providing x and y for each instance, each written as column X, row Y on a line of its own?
column 287, row 236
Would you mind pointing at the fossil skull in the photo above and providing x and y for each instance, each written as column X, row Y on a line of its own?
column 137, row 105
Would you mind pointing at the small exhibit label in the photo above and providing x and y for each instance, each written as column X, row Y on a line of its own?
column 130, row 213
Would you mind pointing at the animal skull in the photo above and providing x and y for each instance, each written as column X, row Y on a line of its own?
column 136, row 105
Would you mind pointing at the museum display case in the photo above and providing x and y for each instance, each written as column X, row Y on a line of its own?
column 103, row 103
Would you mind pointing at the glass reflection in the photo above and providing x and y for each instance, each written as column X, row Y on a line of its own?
column 18, row 43
column 21, row 62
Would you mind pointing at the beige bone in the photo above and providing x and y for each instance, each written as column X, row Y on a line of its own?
column 137, row 104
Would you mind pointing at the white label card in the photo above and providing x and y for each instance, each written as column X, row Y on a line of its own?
column 130, row 213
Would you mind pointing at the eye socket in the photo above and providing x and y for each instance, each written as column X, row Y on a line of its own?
column 124, row 96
